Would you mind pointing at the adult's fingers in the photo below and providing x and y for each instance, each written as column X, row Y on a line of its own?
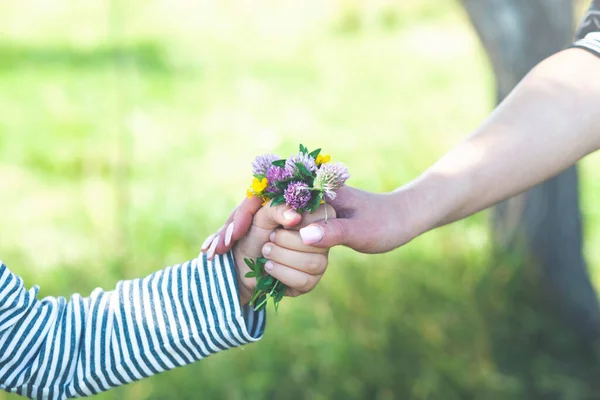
column 291, row 240
column 236, row 226
column 310, row 263
column 331, row 233
column 324, row 211
column 242, row 219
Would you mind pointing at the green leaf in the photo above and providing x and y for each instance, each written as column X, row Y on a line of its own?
column 265, row 282
column 303, row 149
column 249, row 263
column 262, row 304
column 282, row 185
column 250, row 274
column 260, row 265
column 316, row 202
column 261, row 307
column 279, row 163
column 255, row 295
column 269, row 280
column 259, row 177
column 315, row 153
column 303, row 169
column 314, row 198
column 278, row 200
column 278, row 295
column 269, row 195
column 260, row 301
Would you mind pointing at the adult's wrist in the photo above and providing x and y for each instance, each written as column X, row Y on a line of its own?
column 407, row 211
column 429, row 201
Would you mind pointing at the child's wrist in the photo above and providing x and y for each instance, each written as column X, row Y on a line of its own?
column 244, row 293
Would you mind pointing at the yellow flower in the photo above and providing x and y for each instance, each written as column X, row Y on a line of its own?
column 249, row 193
column 322, row 159
column 258, row 186
column 265, row 200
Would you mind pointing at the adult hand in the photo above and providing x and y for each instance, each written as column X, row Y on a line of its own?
column 366, row 222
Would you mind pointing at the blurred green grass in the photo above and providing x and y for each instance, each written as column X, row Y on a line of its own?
column 126, row 134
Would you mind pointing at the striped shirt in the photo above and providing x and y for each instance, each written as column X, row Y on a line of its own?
column 588, row 33
column 57, row 349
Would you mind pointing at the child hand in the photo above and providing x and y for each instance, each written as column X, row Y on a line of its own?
column 296, row 265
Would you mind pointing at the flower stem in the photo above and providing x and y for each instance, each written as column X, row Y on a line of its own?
column 257, row 293
column 261, row 304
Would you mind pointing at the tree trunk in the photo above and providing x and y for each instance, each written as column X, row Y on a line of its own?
column 544, row 222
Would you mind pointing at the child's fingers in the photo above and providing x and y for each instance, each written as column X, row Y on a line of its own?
column 251, row 245
column 293, row 241
column 273, row 217
column 298, row 282
column 310, row 263
column 267, row 217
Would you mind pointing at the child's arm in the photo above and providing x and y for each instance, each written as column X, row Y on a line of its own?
column 54, row 349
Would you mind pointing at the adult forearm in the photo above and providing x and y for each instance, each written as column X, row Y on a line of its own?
column 548, row 123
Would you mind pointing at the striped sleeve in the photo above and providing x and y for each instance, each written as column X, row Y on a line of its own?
column 588, row 33
column 58, row 349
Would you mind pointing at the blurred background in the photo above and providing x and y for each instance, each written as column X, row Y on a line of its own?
column 127, row 130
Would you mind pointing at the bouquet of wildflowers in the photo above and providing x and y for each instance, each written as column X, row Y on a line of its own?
column 304, row 181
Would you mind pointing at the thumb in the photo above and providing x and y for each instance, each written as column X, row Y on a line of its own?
column 329, row 233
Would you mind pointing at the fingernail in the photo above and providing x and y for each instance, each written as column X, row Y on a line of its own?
column 207, row 242
column 213, row 247
column 290, row 215
column 272, row 237
column 269, row 265
column 266, row 250
column 228, row 234
column 312, row 234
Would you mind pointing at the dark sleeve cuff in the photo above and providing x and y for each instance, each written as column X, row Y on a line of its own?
column 591, row 43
